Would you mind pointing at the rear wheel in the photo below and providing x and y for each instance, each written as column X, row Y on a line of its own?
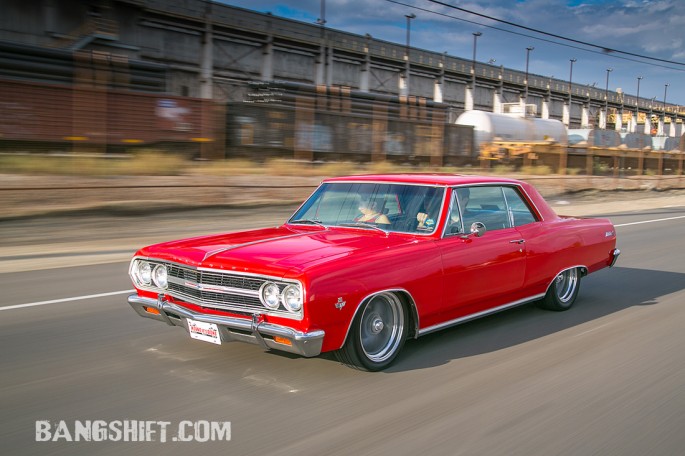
column 563, row 291
column 377, row 335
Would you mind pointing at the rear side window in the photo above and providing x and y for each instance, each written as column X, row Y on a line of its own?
column 519, row 212
column 488, row 206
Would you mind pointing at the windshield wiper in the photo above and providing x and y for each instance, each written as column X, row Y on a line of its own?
column 308, row 222
column 364, row 225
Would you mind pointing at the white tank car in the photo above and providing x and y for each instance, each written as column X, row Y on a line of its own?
column 489, row 127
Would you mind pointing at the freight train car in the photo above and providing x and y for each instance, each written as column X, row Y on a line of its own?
column 54, row 117
column 329, row 123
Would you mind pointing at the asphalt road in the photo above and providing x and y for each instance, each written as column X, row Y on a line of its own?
column 607, row 377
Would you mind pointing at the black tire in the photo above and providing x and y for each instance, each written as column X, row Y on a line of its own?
column 563, row 291
column 377, row 334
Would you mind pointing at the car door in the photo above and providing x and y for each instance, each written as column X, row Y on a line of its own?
column 483, row 272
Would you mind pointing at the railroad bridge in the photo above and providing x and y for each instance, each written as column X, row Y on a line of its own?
column 195, row 48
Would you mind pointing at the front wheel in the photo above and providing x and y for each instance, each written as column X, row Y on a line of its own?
column 563, row 291
column 377, row 335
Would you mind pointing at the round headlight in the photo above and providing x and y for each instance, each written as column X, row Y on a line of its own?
column 141, row 272
column 159, row 276
column 292, row 298
column 145, row 272
column 270, row 295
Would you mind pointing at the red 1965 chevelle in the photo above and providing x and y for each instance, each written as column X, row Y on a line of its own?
column 368, row 261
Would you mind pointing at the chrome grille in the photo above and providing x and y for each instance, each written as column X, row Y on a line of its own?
column 238, row 293
column 215, row 278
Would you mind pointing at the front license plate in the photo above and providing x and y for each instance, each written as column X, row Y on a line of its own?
column 207, row 332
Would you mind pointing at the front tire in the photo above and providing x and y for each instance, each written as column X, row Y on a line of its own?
column 377, row 335
column 563, row 291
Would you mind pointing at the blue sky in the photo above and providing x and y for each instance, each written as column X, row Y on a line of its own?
column 653, row 28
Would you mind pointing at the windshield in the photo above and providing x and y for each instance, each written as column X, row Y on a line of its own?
column 390, row 207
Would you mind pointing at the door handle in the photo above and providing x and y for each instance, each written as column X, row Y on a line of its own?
column 517, row 241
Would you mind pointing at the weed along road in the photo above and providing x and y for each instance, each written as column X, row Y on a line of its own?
column 606, row 377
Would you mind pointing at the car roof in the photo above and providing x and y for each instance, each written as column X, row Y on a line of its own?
column 425, row 178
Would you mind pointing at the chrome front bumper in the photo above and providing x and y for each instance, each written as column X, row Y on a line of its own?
column 233, row 329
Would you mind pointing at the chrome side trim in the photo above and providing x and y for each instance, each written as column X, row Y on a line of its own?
column 476, row 315
column 250, row 330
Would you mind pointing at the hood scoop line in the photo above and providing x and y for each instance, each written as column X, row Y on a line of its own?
column 237, row 246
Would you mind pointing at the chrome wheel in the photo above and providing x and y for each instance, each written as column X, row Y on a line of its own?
column 377, row 333
column 381, row 326
column 566, row 284
column 563, row 290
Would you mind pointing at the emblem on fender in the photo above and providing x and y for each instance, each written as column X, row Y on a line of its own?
column 340, row 304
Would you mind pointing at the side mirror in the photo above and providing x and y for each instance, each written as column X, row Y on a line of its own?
column 477, row 230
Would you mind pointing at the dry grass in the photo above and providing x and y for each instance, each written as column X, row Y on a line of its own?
column 153, row 162
column 145, row 162
column 540, row 170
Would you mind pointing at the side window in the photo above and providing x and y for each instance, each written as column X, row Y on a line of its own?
column 519, row 212
column 488, row 206
column 455, row 224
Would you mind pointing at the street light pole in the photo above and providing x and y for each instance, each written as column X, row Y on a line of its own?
column 404, row 90
column 637, row 104
column 473, row 62
column 570, row 91
column 606, row 98
column 665, row 90
column 528, row 49
column 409, row 18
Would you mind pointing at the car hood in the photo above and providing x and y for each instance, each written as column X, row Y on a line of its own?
column 274, row 251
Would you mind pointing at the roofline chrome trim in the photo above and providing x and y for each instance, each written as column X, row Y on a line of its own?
column 414, row 184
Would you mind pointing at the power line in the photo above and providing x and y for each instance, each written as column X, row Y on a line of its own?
column 602, row 52
column 542, row 32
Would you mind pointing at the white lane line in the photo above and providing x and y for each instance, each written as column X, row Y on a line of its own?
column 651, row 221
column 75, row 298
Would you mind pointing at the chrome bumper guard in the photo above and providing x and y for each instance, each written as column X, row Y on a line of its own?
column 231, row 329
column 614, row 256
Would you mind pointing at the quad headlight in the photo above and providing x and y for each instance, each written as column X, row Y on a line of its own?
column 141, row 272
column 273, row 297
column 270, row 295
column 292, row 298
column 159, row 276
column 145, row 273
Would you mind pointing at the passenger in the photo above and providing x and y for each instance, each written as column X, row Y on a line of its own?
column 371, row 213
column 428, row 217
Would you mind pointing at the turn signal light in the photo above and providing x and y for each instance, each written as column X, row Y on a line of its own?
column 151, row 310
column 282, row 340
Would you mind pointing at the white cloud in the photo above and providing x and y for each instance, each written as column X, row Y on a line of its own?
column 646, row 27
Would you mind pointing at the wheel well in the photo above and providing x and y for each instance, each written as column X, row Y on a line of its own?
column 408, row 301
column 582, row 269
